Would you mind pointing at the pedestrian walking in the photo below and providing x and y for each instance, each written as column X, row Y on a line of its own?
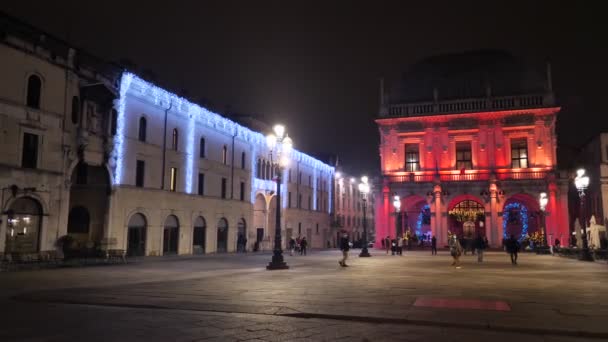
column 399, row 246
column 387, row 244
column 455, row 250
column 303, row 245
column 344, row 247
column 434, row 245
column 382, row 243
column 292, row 245
column 480, row 246
column 512, row 248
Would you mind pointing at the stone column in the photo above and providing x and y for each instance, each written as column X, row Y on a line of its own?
column 495, row 226
column 438, row 210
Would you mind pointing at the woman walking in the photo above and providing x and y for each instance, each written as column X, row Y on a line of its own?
column 455, row 250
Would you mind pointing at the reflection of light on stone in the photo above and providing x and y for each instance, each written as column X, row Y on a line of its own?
column 24, row 230
column 12, row 232
column 26, row 220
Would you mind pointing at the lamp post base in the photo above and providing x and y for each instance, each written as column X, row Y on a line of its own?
column 364, row 253
column 277, row 263
column 586, row 255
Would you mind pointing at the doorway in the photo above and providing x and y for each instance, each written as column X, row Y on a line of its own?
column 136, row 235
column 170, row 235
column 222, row 236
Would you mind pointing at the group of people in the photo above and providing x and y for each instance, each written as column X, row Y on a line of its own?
column 299, row 244
column 396, row 245
column 512, row 246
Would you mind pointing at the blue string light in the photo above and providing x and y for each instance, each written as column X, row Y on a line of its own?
column 420, row 218
column 523, row 217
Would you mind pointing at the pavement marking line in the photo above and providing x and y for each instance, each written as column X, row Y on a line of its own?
column 453, row 303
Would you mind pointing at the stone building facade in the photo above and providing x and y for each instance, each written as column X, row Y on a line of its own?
column 349, row 205
column 593, row 157
column 468, row 143
column 116, row 162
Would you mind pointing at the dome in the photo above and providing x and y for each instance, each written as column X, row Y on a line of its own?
column 467, row 75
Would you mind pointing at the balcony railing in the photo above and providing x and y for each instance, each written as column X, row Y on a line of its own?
column 478, row 175
column 471, row 105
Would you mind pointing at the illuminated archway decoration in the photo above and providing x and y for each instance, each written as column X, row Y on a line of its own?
column 523, row 217
column 420, row 219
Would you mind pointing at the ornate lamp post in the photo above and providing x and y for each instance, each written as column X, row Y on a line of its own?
column 280, row 149
column 397, row 205
column 582, row 182
column 543, row 200
column 364, row 190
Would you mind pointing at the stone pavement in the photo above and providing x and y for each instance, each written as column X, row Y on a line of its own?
column 383, row 298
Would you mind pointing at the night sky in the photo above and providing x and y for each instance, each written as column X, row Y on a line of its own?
column 316, row 66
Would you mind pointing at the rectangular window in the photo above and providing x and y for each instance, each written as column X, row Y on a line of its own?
column 412, row 158
column 299, row 177
column 173, row 186
column 464, row 159
column 300, row 201
column 201, row 148
column 309, row 203
column 299, row 228
column 243, row 157
column 225, row 155
column 309, row 180
column 201, row 184
column 242, row 196
column 223, row 187
column 140, row 173
column 519, row 153
column 289, row 177
column 317, row 229
column 289, row 199
column 29, row 156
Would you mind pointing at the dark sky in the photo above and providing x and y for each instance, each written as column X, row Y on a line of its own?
column 315, row 66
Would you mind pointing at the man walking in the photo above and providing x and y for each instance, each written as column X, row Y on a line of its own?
column 480, row 245
column 344, row 247
column 434, row 245
column 399, row 245
column 512, row 248
column 303, row 245
column 387, row 243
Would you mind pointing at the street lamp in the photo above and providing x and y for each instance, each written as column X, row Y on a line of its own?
column 280, row 145
column 543, row 200
column 397, row 205
column 364, row 190
column 582, row 182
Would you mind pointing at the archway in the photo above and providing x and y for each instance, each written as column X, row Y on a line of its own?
column 79, row 221
column 259, row 219
column 222, row 236
column 24, row 226
column 466, row 217
column 171, row 235
column 415, row 216
column 136, row 235
column 89, row 192
column 199, row 235
column 520, row 216
column 241, row 239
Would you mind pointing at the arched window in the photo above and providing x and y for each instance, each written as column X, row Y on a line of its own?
column 257, row 168
column 175, row 139
column 113, row 122
column 79, row 220
column 225, row 155
column 201, row 147
column 75, row 110
column 34, row 88
column 143, row 127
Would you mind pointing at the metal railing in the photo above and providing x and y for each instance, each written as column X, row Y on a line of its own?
column 481, row 175
column 471, row 105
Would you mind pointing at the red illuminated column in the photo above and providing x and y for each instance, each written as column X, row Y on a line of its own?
column 493, row 232
column 438, row 231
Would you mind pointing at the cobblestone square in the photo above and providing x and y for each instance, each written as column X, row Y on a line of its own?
column 233, row 298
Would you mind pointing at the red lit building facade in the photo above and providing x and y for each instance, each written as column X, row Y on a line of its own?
column 468, row 144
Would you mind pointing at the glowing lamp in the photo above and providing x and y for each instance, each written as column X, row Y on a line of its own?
column 581, row 181
column 338, row 175
column 397, row 202
column 279, row 130
column 271, row 141
column 364, row 188
column 364, row 179
column 352, row 180
column 543, row 200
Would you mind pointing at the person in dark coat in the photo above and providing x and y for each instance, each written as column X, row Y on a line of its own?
column 344, row 247
column 303, row 245
column 480, row 246
column 434, row 245
column 512, row 248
